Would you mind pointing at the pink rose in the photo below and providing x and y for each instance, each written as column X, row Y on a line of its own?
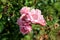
column 25, row 10
column 36, row 17
column 29, row 16
column 21, row 22
column 25, row 29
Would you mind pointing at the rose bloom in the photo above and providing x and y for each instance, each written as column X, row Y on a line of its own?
column 29, row 16
column 25, row 29
column 35, row 17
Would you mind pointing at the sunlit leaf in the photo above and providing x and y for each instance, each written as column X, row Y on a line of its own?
column 0, row 15
column 3, row 1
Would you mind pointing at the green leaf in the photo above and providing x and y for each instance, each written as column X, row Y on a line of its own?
column 1, row 9
column 1, row 27
column 3, row 1
column 0, row 15
column 4, row 39
column 50, row 10
column 42, row 32
column 56, row 5
column 27, row 37
column 52, row 1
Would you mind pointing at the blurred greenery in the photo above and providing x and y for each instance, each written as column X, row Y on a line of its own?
column 9, row 13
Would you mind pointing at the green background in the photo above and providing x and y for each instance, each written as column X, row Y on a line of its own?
column 9, row 13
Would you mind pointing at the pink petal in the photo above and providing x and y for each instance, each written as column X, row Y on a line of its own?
column 25, row 29
column 24, row 10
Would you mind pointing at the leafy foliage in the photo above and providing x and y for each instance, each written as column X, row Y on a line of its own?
column 9, row 13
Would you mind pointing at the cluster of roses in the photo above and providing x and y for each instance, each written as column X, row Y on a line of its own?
column 29, row 16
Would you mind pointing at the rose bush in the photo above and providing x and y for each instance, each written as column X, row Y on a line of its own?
column 29, row 19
